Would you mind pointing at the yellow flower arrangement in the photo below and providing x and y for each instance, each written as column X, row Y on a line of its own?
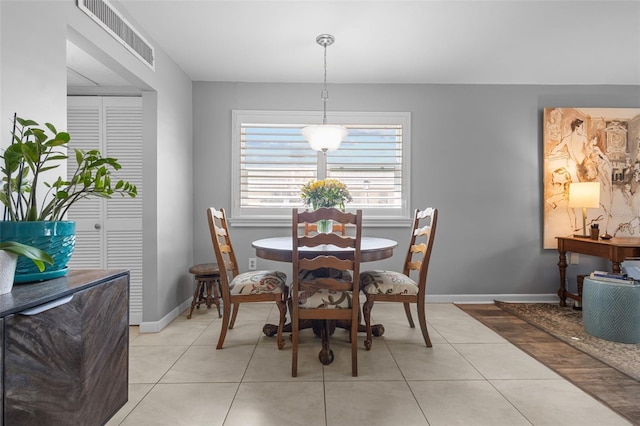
column 325, row 193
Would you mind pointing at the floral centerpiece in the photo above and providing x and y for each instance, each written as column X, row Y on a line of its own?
column 325, row 193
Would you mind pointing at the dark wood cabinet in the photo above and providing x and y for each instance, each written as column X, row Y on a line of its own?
column 66, row 358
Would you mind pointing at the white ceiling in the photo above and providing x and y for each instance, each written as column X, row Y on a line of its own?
column 419, row 41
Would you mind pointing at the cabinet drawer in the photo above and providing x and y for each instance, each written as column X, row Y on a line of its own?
column 68, row 365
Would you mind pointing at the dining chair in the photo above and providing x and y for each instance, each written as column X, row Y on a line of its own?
column 391, row 286
column 236, row 287
column 325, row 298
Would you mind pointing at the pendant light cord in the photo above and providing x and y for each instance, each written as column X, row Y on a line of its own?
column 325, row 93
column 324, row 137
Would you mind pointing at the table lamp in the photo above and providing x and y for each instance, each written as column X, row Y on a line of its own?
column 585, row 195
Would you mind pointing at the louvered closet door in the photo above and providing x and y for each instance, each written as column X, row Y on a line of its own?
column 109, row 232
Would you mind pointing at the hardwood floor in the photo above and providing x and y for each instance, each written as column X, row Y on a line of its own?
column 613, row 388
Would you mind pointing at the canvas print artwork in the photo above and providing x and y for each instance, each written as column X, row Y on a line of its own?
column 592, row 145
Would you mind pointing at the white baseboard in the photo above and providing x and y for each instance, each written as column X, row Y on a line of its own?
column 489, row 298
column 156, row 326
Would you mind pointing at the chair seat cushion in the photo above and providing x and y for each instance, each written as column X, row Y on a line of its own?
column 324, row 299
column 387, row 282
column 258, row 282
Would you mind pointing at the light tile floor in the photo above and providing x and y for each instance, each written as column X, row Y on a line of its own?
column 471, row 376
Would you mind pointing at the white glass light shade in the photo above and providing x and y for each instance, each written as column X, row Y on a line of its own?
column 584, row 194
column 324, row 137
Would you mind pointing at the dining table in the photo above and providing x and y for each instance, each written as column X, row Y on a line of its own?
column 280, row 249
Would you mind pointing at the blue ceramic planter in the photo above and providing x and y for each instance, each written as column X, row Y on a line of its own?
column 56, row 238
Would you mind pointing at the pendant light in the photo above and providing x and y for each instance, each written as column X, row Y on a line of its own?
column 324, row 137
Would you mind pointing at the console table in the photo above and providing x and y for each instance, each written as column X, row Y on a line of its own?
column 615, row 249
column 65, row 349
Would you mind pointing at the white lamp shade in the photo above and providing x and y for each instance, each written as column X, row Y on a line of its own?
column 584, row 194
column 324, row 137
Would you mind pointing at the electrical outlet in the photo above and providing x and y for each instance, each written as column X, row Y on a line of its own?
column 252, row 263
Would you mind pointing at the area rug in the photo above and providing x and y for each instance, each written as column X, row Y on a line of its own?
column 565, row 323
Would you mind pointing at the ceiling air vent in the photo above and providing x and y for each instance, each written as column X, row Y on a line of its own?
column 112, row 21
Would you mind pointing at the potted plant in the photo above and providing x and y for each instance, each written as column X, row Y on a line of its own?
column 37, row 219
column 9, row 252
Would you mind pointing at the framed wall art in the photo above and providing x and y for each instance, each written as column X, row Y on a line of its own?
column 591, row 145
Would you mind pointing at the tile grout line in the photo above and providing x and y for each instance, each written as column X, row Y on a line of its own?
column 406, row 381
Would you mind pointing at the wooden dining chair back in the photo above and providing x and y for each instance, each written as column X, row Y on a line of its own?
column 325, row 296
column 336, row 227
column 340, row 228
column 236, row 287
column 392, row 286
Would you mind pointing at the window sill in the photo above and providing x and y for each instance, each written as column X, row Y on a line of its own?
column 285, row 222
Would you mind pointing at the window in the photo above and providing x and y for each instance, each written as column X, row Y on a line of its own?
column 272, row 160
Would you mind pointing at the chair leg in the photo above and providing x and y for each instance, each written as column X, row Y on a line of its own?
column 194, row 302
column 366, row 312
column 294, row 344
column 226, row 311
column 216, row 295
column 236, row 306
column 282, row 306
column 354, row 348
column 423, row 323
column 407, row 311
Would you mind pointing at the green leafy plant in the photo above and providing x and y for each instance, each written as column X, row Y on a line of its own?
column 34, row 151
column 38, row 256
column 325, row 193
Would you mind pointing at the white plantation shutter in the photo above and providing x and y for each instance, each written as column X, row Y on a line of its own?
column 272, row 161
column 275, row 162
column 124, row 251
column 109, row 232
column 370, row 163
column 123, row 128
column 124, row 142
column 84, row 124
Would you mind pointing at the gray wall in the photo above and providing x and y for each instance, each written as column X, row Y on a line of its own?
column 33, row 37
column 476, row 156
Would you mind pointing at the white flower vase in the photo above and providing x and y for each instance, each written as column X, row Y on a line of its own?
column 8, row 262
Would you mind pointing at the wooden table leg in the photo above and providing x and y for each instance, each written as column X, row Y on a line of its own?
column 270, row 330
column 562, row 264
column 326, row 354
column 376, row 329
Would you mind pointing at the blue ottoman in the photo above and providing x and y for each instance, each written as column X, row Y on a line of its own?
column 611, row 311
